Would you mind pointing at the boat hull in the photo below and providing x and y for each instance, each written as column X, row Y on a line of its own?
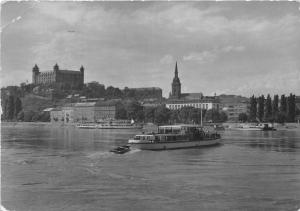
column 174, row 145
column 119, row 127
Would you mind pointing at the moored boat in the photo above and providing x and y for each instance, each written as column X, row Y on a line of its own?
column 257, row 127
column 87, row 126
column 118, row 124
column 111, row 124
column 175, row 137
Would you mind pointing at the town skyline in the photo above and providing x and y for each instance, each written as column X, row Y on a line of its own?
column 222, row 48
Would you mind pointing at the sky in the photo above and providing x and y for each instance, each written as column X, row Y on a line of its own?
column 241, row 48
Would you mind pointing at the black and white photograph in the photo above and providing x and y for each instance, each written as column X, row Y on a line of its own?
column 150, row 105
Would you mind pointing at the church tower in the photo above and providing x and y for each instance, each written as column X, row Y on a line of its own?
column 176, row 85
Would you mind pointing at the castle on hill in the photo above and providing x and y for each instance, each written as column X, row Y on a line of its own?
column 62, row 79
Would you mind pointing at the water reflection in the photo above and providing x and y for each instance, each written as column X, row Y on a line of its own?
column 278, row 141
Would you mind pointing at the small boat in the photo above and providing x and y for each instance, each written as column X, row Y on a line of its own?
column 175, row 137
column 267, row 126
column 121, row 149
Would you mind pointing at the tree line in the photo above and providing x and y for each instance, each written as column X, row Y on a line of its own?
column 162, row 115
column 12, row 110
column 272, row 110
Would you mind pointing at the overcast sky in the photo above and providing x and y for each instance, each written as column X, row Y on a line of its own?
column 224, row 47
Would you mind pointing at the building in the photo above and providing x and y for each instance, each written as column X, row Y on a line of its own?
column 84, row 112
column 233, row 106
column 143, row 93
column 62, row 79
column 178, row 100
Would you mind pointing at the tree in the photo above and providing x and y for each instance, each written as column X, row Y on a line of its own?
column 112, row 92
column 261, row 107
column 268, row 109
column 94, row 90
column 291, row 108
column 121, row 112
column 214, row 115
column 140, row 117
column 223, row 116
column 149, row 114
column 44, row 117
column 35, row 117
column 184, row 114
column 162, row 115
column 133, row 108
column 28, row 116
column 253, row 108
column 20, row 116
column 243, row 117
column 283, row 105
column 10, row 108
column 18, row 106
column 282, row 116
column 275, row 108
column 4, row 104
column 195, row 115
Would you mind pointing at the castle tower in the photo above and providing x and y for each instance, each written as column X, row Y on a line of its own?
column 176, row 85
column 82, row 69
column 82, row 74
column 56, row 67
column 35, row 73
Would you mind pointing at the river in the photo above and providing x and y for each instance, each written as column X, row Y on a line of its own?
column 66, row 168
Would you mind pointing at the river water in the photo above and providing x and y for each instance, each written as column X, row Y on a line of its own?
column 66, row 168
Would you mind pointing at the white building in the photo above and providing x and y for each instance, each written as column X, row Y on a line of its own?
column 203, row 103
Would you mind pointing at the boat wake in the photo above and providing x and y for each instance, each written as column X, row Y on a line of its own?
column 99, row 155
column 133, row 151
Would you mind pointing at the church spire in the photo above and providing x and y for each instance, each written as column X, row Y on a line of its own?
column 176, row 71
column 176, row 85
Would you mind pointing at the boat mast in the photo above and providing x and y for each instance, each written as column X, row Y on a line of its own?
column 201, row 115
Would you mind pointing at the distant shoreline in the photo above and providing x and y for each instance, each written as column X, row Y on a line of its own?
column 278, row 126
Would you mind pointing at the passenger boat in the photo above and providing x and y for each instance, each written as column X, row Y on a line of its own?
column 175, row 137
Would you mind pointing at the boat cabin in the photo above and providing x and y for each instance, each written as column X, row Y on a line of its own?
column 179, row 129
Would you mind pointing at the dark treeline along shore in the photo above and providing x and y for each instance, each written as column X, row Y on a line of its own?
column 266, row 109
